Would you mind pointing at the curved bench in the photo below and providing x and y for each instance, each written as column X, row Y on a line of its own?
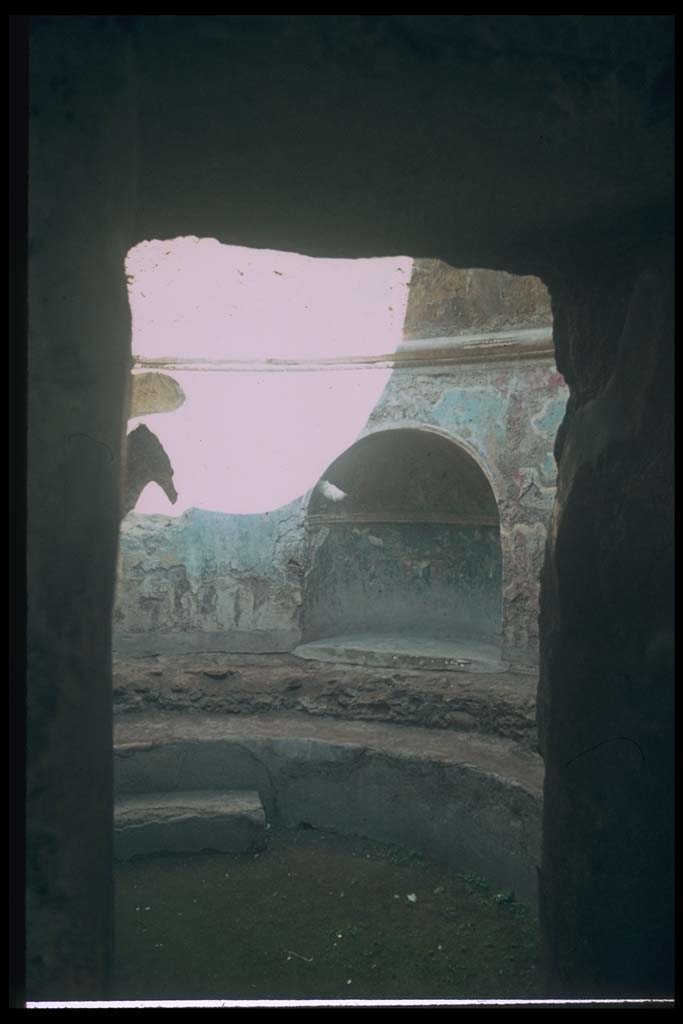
column 471, row 801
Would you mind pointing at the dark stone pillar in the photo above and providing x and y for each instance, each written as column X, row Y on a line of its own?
column 79, row 353
column 606, row 689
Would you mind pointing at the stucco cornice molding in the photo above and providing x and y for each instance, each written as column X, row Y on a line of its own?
column 489, row 347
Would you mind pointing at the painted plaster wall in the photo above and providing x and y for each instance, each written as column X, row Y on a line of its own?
column 426, row 578
column 209, row 581
column 507, row 416
column 206, row 581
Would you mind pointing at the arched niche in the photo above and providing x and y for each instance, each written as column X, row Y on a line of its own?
column 404, row 537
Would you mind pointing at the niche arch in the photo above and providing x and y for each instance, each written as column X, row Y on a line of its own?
column 492, row 474
column 404, row 538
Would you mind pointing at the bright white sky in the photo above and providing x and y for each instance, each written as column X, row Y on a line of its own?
column 247, row 442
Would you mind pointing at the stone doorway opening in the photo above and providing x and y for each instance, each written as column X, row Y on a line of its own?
column 328, row 470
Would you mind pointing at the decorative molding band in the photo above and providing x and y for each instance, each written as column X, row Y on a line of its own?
column 317, row 519
column 501, row 346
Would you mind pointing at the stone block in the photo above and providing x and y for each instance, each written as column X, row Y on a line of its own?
column 185, row 822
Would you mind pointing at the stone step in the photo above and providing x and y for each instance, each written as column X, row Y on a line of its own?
column 188, row 822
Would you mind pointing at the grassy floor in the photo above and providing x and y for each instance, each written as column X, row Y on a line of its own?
column 316, row 916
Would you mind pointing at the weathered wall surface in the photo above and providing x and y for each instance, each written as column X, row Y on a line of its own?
column 445, row 301
column 507, row 416
column 605, row 710
column 210, row 581
column 154, row 392
column 207, row 581
column 78, row 369
column 434, row 579
column 478, row 374
column 216, row 579
column 404, row 537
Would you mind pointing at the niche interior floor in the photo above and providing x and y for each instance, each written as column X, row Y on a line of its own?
column 496, row 704
column 407, row 651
